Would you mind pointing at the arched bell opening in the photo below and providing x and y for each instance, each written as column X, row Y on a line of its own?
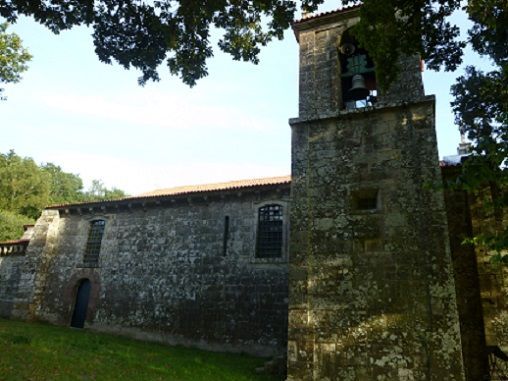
column 358, row 77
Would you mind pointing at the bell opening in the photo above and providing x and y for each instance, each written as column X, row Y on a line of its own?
column 358, row 78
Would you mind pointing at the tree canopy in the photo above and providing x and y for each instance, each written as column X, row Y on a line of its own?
column 26, row 188
column 145, row 34
column 13, row 57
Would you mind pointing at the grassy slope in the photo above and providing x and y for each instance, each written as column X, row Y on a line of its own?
column 36, row 352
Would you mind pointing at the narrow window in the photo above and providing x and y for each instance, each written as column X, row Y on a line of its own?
column 270, row 226
column 226, row 236
column 365, row 199
column 93, row 245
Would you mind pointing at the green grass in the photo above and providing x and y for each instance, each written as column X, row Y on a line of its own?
column 36, row 352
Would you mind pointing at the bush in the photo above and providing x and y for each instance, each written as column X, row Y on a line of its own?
column 11, row 225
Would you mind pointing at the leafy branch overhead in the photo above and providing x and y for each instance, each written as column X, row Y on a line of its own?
column 145, row 34
column 13, row 57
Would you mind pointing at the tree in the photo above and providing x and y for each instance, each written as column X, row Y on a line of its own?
column 481, row 112
column 27, row 188
column 13, row 57
column 145, row 34
column 391, row 28
column 64, row 187
column 98, row 192
column 24, row 189
column 11, row 225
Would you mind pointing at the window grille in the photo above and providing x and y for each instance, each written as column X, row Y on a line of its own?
column 270, row 228
column 93, row 245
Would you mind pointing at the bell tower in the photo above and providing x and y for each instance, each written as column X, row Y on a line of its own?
column 372, row 295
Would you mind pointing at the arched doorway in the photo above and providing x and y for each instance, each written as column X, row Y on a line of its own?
column 81, row 305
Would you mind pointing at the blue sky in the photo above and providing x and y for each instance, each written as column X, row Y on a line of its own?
column 94, row 120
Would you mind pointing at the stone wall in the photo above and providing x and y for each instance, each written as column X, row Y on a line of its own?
column 20, row 265
column 11, row 272
column 493, row 276
column 163, row 273
column 371, row 287
column 466, row 275
column 320, row 79
column 371, row 283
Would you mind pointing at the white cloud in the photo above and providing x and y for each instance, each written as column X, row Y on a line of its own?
column 154, row 108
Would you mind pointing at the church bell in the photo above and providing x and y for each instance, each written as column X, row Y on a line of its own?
column 358, row 90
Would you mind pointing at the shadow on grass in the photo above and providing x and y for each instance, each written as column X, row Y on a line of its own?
column 39, row 352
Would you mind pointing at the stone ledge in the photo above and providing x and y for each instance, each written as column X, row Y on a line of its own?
column 293, row 122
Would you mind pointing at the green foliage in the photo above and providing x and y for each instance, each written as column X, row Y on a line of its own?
column 98, row 192
column 481, row 112
column 143, row 34
column 64, row 187
column 33, row 351
column 26, row 188
column 13, row 57
column 390, row 28
column 11, row 225
column 489, row 35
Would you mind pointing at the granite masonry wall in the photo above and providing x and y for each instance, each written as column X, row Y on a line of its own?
column 19, row 268
column 163, row 273
column 467, row 280
column 371, row 287
column 11, row 272
column 381, row 287
column 493, row 277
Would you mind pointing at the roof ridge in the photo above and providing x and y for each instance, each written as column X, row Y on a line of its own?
column 223, row 185
column 312, row 16
column 188, row 189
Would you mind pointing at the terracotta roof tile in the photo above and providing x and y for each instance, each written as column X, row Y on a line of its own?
column 217, row 186
column 191, row 189
column 313, row 16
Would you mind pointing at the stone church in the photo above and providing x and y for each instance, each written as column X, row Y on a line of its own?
column 353, row 266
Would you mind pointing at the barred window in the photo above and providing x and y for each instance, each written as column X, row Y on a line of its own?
column 93, row 245
column 270, row 228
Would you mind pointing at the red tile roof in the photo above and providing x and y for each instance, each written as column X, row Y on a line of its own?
column 192, row 189
column 313, row 16
column 230, row 185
